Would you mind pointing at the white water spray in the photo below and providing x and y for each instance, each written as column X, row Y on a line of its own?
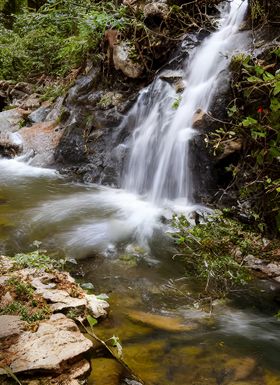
column 158, row 164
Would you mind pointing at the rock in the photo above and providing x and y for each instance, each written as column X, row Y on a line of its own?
column 56, row 341
column 70, row 376
column 240, row 368
column 61, row 298
column 175, row 78
column 230, row 147
column 122, row 61
column 157, row 9
column 96, row 306
column 199, row 119
column 10, row 144
column 29, row 102
column 105, row 371
column 270, row 269
column 40, row 114
column 43, row 139
column 171, row 324
column 11, row 120
column 271, row 378
column 10, row 325
column 6, row 264
column 6, row 300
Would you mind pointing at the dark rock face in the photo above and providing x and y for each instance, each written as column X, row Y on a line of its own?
column 92, row 119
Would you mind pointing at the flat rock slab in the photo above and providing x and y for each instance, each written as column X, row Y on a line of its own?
column 56, row 341
column 10, row 325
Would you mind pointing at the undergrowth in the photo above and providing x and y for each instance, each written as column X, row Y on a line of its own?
column 254, row 120
column 213, row 252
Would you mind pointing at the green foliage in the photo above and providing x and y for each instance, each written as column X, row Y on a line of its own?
column 208, row 249
column 36, row 259
column 254, row 119
column 56, row 38
column 23, row 311
column 176, row 103
column 23, row 291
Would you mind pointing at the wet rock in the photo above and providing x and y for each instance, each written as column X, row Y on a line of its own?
column 171, row 324
column 56, row 340
column 10, row 325
column 271, row 378
column 42, row 139
column 269, row 269
column 11, row 120
column 105, row 371
column 240, row 368
column 175, row 78
column 122, row 53
column 199, row 119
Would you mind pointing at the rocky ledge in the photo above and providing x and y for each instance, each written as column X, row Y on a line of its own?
column 41, row 309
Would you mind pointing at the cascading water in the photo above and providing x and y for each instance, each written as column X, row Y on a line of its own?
column 158, row 163
column 83, row 219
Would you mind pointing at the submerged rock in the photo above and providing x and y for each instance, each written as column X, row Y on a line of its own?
column 170, row 324
column 105, row 371
column 240, row 368
column 56, row 341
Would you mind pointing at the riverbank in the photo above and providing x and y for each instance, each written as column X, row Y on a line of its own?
column 44, row 315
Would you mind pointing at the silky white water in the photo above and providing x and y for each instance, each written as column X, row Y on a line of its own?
column 158, row 164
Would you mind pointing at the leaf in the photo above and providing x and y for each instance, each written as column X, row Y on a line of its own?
column 274, row 152
column 116, row 343
column 92, row 321
column 267, row 76
column 276, row 89
column 259, row 70
column 254, row 79
column 249, row 121
column 275, row 104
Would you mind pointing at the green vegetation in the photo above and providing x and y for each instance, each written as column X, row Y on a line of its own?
column 18, row 308
column 56, row 38
column 254, row 119
column 50, row 41
column 208, row 251
column 37, row 259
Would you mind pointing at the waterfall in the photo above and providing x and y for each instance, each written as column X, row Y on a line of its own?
column 158, row 160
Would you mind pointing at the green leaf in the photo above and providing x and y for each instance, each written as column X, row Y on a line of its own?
column 276, row 89
column 92, row 321
column 259, row 70
column 254, row 79
column 275, row 104
column 267, row 76
column 258, row 134
column 249, row 121
column 274, row 152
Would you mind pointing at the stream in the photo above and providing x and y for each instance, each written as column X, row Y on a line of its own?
column 117, row 240
column 188, row 345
